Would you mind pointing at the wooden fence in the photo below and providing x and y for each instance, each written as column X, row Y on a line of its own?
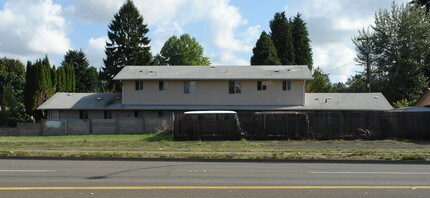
column 206, row 127
column 378, row 125
column 318, row 125
column 277, row 126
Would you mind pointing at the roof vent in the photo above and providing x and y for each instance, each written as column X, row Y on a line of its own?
column 213, row 66
column 151, row 72
column 99, row 98
column 140, row 71
column 375, row 97
column 277, row 71
column 326, row 100
column 69, row 94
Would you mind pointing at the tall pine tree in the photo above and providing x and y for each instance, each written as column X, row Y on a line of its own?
column 264, row 52
column 301, row 42
column 30, row 89
column 128, row 44
column 38, row 86
column 282, row 38
column 85, row 80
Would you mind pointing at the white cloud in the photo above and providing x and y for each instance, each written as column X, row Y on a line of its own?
column 332, row 24
column 166, row 18
column 228, row 57
column 95, row 51
column 32, row 28
column 339, row 64
column 94, row 10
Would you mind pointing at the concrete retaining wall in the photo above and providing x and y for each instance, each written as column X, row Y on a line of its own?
column 131, row 126
column 29, row 129
column 103, row 126
column 78, row 127
column 89, row 126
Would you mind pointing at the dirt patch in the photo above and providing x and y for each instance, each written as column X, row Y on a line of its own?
column 344, row 144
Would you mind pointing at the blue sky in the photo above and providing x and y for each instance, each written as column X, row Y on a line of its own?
column 227, row 29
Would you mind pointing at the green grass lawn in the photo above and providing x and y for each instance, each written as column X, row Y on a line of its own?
column 162, row 146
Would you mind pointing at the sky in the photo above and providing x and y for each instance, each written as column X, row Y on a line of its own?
column 227, row 29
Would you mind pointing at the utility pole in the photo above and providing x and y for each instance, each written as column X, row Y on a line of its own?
column 367, row 52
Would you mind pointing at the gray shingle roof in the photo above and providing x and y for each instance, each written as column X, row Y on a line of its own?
column 313, row 102
column 346, row 101
column 82, row 101
column 214, row 73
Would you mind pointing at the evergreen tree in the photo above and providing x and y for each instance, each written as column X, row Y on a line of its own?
column 39, row 86
column 54, row 78
column 320, row 84
column 84, row 74
column 282, row 38
column 128, row 44
column 182, row 51
column 47, row 72
column 30, row 89
column 264, row 52
column 301, row 42
column 68, row 81
column 61, row 80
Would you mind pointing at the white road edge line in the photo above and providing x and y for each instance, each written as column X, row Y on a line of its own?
column 375, row 173
column 27, row 170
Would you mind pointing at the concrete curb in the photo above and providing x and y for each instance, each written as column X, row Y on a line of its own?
column 417, row 162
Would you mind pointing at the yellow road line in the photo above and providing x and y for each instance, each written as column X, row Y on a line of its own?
column 204, row 187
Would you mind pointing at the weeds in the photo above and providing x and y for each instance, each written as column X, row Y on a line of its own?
column 161, row 145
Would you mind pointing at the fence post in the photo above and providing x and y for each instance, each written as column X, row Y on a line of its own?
column 65, row 127
column 117, row 125
column 90, row 126
column 41, row 127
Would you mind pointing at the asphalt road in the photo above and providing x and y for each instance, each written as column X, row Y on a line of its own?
column 61, row 178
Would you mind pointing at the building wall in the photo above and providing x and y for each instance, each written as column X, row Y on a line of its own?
column 424, row 101
column 213, row 93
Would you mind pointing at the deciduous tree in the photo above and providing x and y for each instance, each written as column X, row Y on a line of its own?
column 399, row 50
column 184, row 50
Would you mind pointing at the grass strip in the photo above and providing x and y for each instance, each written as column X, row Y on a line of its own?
column 162, row 146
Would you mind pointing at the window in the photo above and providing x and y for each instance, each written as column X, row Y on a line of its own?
column 234, row 87
column 54, row 115
column 162, row 85
column 108, row 114
column 286, row 85
column 83, row 115
column 136, row 113
column 261, row 85
column 139, row 85
column 189, row 87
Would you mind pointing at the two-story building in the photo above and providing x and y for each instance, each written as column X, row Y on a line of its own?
column 156, row 91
